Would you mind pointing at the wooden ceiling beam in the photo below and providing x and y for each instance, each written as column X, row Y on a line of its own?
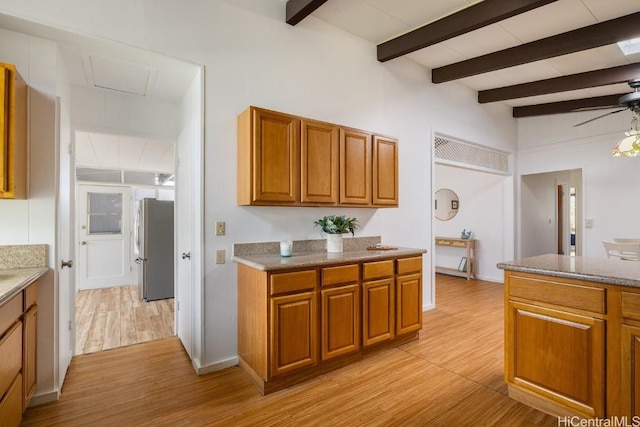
column 598, row 102
column 601, row 34
column 471, row 18
column 297, row 10
column 607, row 76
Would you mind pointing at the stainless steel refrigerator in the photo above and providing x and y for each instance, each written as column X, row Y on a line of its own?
column 155, row 244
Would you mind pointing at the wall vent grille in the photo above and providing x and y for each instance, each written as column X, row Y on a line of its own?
column 472, row 156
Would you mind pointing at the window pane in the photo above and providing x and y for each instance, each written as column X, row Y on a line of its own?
column 105, row 213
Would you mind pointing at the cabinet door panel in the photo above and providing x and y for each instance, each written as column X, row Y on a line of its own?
column 408, row 303
column 293, row 332
column 29, row 352
column 558, row 355
column 385, row 171
column 319, row 162
column 340, row 321
column 275, row 162
column 630, row 377
column 355, row 167
column 4, row 129
column 377, row 311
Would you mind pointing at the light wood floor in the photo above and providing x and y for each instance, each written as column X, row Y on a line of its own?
column 116, row 317
column 451, row 376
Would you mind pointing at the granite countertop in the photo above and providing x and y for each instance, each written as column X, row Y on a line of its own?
column 20, row 265
column 273, row 262
column 14, row 280
column 600, row 270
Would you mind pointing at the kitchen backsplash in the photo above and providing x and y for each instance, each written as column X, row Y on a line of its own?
column 301, row 246
column 22, row 256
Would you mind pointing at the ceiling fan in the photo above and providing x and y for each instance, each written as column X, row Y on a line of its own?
column 630, row 101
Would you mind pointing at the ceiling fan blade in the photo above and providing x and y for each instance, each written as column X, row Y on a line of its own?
column 599, row 117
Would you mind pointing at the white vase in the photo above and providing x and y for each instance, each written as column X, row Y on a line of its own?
column 334, row 243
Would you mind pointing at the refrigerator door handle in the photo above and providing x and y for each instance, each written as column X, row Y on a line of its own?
column 186, row 255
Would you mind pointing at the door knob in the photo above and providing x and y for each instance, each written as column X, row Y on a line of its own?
column 83, row 242
column 68, row 264
column 186, row 255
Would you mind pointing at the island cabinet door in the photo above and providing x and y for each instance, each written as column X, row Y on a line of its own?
column 293, row 332
column 558, row 356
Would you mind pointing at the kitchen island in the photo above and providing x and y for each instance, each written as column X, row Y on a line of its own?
column 572, row 335
column 314, row 312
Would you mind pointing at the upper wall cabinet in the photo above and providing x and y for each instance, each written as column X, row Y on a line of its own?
column 285, row 160
column 13, row 134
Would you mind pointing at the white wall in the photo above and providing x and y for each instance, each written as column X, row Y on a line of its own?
column 252, row 57
column 33, row 220
column 482, row 200
column 610, row 194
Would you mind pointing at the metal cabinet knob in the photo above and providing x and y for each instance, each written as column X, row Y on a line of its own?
column 186, row 255
column 68, row 264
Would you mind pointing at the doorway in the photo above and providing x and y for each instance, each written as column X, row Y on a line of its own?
column 109, row 305
column 550, row 209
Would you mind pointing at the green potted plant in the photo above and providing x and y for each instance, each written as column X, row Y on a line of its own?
column 334, row 226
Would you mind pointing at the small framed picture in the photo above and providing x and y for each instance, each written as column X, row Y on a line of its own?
column 454, row 205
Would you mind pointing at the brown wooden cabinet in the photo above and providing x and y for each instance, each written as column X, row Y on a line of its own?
column 296, row 324
column 555, row 344
column 18, row 337
column 340, row 316
column 13, row 134
column 408, row 295
column 286, row 160
column 268, row 157
column 385, row 171
column 378, row 302
column 355, row 167
column 319, row 162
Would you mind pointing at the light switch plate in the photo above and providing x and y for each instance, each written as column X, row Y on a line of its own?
column 220, row 256
column 588, row 223
column 220, row 228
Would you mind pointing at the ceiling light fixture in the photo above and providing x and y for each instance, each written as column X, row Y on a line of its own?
column 630, row 47
column 630, row 144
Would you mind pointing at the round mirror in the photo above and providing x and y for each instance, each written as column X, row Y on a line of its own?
column 446, row 204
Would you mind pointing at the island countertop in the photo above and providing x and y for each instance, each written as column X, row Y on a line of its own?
column 273, row 262
column 600, row 270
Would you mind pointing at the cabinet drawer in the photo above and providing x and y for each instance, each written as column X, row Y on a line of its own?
column 11, row 404
column 631, row 305
column 10, row 356
column 30, row 295
column 558, row 293
column 10, row 312
column 282, row 283
column 374, row 270
column 409, row 265
column 341, row 274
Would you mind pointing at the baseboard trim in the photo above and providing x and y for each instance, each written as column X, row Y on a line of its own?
column 40, row 399
column 218, row 366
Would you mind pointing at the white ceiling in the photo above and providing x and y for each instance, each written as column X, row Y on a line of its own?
column 381, row 20
column 104, row 151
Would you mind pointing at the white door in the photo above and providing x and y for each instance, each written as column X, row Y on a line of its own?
column 65, row 236
column 188, row 223
column 103, row 219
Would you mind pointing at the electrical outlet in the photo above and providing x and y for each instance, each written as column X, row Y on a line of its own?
column 220, row 256
column 219, row 228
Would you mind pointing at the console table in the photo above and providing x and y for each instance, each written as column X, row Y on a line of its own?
column 470, row 246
